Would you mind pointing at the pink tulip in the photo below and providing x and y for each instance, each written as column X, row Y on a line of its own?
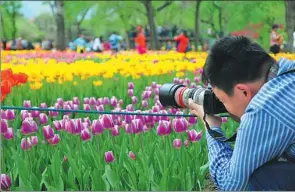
column 128, row 128
column 57, row 125
column 154, row 85
column 130, row 92
column 9, row 135
column 181, row 81
column 197, row 79
column 107, row 121
column 115, row 130
column 26, row 144
column 177, row 143
column 194, row 136
column 114, row 101
column 3, row 114
column 100, row 108
column 86, row 100
column 106, row 101
column 60, row 101
column 99, row 101
column 137, row 126
column 132, row 155
column 187, row 80
column 193, row 85
column 164, row 117
column 35, row 113
column 109, row 156
column 53, row 113
column 4, row 126
column 186, row 143
column 130, row 85
column 120, row 102
column 48, row 132
column 224, row 119
column 67, row 107
column 27, row 104
column 34, row 140
column 164, row 128
column 180, row 125
column 86, row 107
column 85, row 135
column 176, row 80
column 129, row 107
column 43, row 105
column 43, row 118
column 144, row 104
column 156, row 91
column 10, row 114
column 28, row 127
column 5, row 182
column 134, row 99
column 192, row 120
column 87, row 120
column 24, row 114
column 54, row 140
column 92, row 101
column 76, row 101
column 71, row 127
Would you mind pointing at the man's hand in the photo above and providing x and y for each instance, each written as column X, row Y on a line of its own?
column 198, row 110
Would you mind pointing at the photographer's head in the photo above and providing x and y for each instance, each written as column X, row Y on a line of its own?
column 236, row 68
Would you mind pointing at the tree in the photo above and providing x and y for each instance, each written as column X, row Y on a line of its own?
column 197, row 23
column 57, row 8
column 12, row 10
column 290, row 22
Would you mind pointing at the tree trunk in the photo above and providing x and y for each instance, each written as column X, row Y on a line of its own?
column 128, row 47
column 78, row 29
column 13, row 18
column 197, row 24
column 3, row 28
column 70, row 37
column 60, row 38
column 151, row 20
column 290, row 22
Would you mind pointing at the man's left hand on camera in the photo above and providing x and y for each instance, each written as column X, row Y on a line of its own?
column 198, row 110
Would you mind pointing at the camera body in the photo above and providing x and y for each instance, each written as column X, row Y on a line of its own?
column 177, row 95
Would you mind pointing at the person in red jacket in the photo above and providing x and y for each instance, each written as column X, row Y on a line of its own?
column 140, row 41
column 182, row 42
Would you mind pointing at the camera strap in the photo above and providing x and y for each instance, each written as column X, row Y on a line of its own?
column 219, row 136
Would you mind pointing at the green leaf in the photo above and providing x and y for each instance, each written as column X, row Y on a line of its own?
column 163, row 182
column 189, row 185
column 74, row 166
column 107, row 184
column 56, row 167
column 35, row 182
column 131, row 173
column 97, row 181
column 86, row 178
column 112, row 177
column 71, row 180
column 204, row 168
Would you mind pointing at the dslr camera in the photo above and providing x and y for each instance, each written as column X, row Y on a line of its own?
column 177, row 95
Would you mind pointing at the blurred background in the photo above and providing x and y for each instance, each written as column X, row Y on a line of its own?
column 61, row 22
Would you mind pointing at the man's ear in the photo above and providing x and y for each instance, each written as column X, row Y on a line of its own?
column 243, row 90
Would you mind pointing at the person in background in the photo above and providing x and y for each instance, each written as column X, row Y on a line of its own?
column 182, row 42
column 81, row 44
column 168, row 46
column 115, row 42
column 4, row 44
column 140, row 41
column 274, row 40
column 97, row 44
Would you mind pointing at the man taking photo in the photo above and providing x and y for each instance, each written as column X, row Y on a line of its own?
column 260, row 92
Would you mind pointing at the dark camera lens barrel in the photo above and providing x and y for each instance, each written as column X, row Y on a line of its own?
column 167, row 94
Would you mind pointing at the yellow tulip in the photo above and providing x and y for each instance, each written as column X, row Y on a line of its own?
column 36, row 85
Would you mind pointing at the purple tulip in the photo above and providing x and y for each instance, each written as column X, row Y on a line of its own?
column 114, row 101
column 106, row 101
column 54, row 140
column 86, row 100
column 92, row 101
column 10, row 114
column 156, row 91
column 85, row 135
column 156, row 98
column 137, row 126
column 97, row 127
column 132, row 155
column 115, row 130
column 107, row 121
column 75, row 107
column 67, row 107
column 4, row 126
column 194, row 136
column 177, row 143
column 60, row 101
column 180, row 125
column 130, row 85
column 193, row 85
column 76, row 101
column 144, row 104
column 99, row 101
column 57, row 125
column 100, row 108
column 109, row 156
column 9, row 135
column 134, row 99
column 3, row 114
column 120, row 102
column 164, row 117
column 48, row 132
column 5, row 182
column 176, row 80
column 53, row 113
column 192, row 120
column 24, row 114
column 130, row 92
column 35, row 113
column 87, row 120
column 34, row 140
column 129, row 107
column 224, row 119
column 86, row 107
column 43, row 105
column 26, row 144
column 181, row 81
column 164, row 128
column 128, row 128
column 154, row 85
column 27, row 104
column 43, row 118
column 197, row 79
column 28, row 127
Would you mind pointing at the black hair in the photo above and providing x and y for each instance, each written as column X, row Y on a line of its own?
column 275, row 26
column 184, row 33
column 235, row 59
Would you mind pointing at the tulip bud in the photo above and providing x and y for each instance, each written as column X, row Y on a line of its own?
column 60, row 101
column 34, row 140
column 176, row 80
column 24, row 114
column 130, row 85
column 154, row 85
column 177, row 143
column 144, row 104
column 27, row 104
column 4, row 126
column 9, row 135
column 130, row 92
column 35, row 113
column 86, row 100
column 106, row 101
column 5, row 182
column 100, row 108
column 197, row 79
column 86, row 107
column 54, row 140
column 132, row 155
column 109, row 156
column 114, row 101
column 194, row 136
column 97, row 127
column 26, row 144
column 164, row 128
column 224, row 119
column 10, row 115
column 85, row 135
column 92, row 101
column 48, row 132
column 134, row 99
column 43, row 105
column 3, row 114
column 129, row 107
column 115, row 130
column 43, row 118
